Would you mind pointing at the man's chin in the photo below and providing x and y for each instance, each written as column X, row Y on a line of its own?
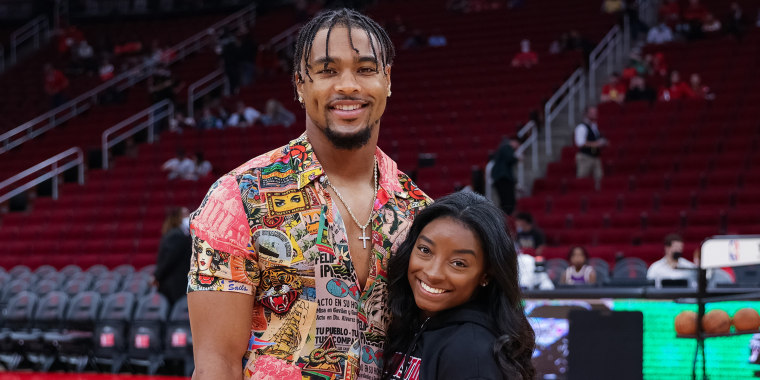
column 349, row 140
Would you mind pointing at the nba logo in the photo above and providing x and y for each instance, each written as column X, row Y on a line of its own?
column 179, row 339
column 733, row 250
column 106, row 339
column 142, row 341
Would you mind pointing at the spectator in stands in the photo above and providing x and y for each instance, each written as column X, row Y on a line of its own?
column 579, row 272
column 162, row 85
column 83, row 58
column 209, row 120
column 711, row 25
column 693, row 17
column 55, row 85
column 526, row 57
column 69, row 38
column 203, row 168
column 614, row 90
column 174, row 251
column 437, row 39
column 699, row 90
column 228, row 48
column 660, row 34
column 613, row 6
column 672, row 265
column 735, row 22
column 277, row 114
column 589, row 142
column 106, row 70
column 670, row 13
column 248, row 50
column 180, row 122
column 244, row 116
column 503, row 172
column 490, row 187
column 415, row 41
column 532, row 273
column 304, row 179
column 638, row 91
column 179, row 167
column 676, row 90
column 529, row 238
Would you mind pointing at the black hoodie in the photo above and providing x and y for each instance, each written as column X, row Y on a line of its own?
column 455, row 344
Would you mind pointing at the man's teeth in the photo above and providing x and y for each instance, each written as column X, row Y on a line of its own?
column 348, row 107
column 430, row 289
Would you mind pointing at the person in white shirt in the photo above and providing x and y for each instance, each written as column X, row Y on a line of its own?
column 672, row 266
column 660, row 34
column 179, row 167
column 203, row 168
column 244, row 116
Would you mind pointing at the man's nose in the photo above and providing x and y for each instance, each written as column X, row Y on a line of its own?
column 347, row 83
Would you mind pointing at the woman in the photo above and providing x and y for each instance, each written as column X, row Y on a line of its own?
column 454, row 298
column 579, row 272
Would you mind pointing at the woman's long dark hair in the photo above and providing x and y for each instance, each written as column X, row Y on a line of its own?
column 501, row 298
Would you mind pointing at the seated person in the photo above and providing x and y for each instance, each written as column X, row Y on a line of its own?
column 614, row 90
column 579, row 272
column 672, row 266
column 638, row 91
column 676, row 89
column 525, row 58
column 529, row 238
column 179, row 167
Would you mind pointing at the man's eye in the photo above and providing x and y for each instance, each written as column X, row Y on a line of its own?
column 326, row 71
column 368, row 70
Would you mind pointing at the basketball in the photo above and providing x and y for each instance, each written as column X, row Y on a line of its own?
column 717, row 322
column 686, row 323
column 746, row 319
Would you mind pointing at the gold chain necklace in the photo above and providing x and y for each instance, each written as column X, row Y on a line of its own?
column 364, row 236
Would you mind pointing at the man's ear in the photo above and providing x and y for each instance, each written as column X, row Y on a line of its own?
column 298, row 81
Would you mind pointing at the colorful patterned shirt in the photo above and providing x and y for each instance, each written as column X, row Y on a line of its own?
column 270, row 229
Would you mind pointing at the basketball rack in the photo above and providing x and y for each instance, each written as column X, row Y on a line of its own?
column 718, row 252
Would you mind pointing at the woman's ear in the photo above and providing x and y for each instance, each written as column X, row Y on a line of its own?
column 484, row 280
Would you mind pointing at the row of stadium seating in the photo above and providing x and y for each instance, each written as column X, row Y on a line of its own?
column 98, row 329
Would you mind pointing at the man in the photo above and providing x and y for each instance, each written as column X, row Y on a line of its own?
column 614, row 90
column 503, row 174
column 529, row 237
column 589, row 142
column 526, row 58
column 290, row 249
column 660, row 34
column 672, row 265
column 55, row 85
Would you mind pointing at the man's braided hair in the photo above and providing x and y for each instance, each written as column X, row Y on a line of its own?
column 347, row 18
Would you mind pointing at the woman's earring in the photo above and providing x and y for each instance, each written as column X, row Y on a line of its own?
column 389, row 92
column 300, row 99
column 484, row 283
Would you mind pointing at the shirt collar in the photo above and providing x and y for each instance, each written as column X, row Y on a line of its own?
column 307, row 168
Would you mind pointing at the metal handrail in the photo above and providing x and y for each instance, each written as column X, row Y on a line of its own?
column 215, row 79
column 36, row 28
column 81, row 103
column 532, row 143
column 609, row 51
column 155, row 113
column 55, row 170
column 564, row 96
column 285, row 38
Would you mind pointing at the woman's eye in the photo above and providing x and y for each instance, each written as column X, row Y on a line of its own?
column 460, row 264
column 424, row 249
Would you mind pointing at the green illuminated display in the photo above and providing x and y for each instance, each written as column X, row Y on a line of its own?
column 668, row 357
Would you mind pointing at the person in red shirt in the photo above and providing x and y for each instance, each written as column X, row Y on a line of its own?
column 699, row 90
column 525, row 58
column 670, row 13
column 676, row 90
column 55, row 84
column 614, row 90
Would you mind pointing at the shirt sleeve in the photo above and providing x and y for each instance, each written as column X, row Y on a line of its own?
column 222, row 259
column 580, row 136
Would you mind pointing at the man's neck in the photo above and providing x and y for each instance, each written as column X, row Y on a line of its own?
column 343, row 165
column 671, row 261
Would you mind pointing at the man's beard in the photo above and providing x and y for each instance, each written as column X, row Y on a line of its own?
column 351, row 141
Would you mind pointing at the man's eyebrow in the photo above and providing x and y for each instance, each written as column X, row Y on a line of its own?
column 322, row 61
column 367, row 58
